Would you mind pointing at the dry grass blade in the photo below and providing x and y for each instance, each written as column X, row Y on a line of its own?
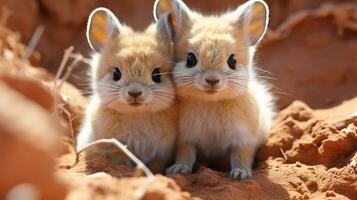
column 84, row 60
column 58, row 83
column 283, row 154
column 70, row 68
column 70, row 122
column 34, row 41
column 64, row 61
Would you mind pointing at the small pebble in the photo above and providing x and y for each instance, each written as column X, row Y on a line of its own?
column 330, row 194
column 298, row 164
column 353, row 163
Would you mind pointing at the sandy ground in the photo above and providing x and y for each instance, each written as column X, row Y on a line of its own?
column 310, row 154
column 306, row 157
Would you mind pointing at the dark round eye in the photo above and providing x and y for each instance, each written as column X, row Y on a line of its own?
column 156, row 76
column 232, row 61
column 191, row 60
column 116, row 74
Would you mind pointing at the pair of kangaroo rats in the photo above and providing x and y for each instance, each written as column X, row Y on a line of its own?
column 215, row 106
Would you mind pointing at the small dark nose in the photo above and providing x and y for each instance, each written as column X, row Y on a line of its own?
column 135, row 94
column 212, row 81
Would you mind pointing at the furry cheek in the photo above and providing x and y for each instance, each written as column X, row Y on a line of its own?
column 184, row 79
column 107, row 91
column 162, row 95
column 231, row 86
column 114, row 95
column 237, row 81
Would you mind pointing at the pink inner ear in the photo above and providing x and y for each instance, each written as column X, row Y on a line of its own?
column 255, row 22
column 101, row 26
column 176, row 8
column 160, row 7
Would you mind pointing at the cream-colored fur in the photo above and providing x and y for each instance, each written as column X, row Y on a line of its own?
column 146, row 124
column 148, row 135
column 233, row 116
column 219, row 125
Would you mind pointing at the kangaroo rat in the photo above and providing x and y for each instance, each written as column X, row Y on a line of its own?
column 133, row 95
column 223, row 108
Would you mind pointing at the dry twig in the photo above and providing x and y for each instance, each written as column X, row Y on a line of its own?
column 70, row 68
column 283, row 153
column 70, row 122
column 33, row 42
column 64, row 61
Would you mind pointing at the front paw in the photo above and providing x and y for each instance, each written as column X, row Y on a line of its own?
column 240, row 174
column 179, row 168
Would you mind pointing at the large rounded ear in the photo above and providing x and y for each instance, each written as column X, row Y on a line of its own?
column 101, row 27
column 180, row 13
column 165, row 28
column 253, row 18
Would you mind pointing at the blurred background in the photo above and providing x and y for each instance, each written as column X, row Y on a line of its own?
column 309, row 53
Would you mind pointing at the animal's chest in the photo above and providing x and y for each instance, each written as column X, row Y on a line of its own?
column 212, row 128
column 142, row 135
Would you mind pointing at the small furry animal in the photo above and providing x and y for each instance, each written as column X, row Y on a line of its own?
column 133, row 95
column 224, row 110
